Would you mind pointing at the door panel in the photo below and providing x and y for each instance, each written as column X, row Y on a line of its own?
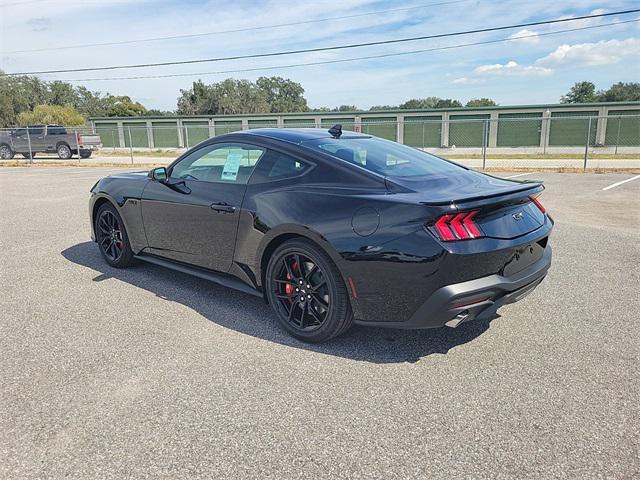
column 194, row 222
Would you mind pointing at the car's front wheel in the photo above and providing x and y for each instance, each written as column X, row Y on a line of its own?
column 112, row 237
column 6, row 153
column 307, row 292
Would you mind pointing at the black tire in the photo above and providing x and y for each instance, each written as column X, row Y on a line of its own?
column 85, row 153
column 112, row 238
column 6, row 153
column 27, row 156
column 64, row 152
column 316, row 310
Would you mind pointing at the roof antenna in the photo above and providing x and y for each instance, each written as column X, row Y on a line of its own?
column 336, row 131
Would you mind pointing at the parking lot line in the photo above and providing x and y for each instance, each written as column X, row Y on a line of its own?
column 519, row 175
column 617, row 184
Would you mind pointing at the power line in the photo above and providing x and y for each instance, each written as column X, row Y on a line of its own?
column 236, row 30
column 322, row 49
column 353, row 59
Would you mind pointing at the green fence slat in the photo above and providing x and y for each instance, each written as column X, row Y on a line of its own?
column 108, row 134
column 165, row 134
column 622, row 131
column 467, row 134
column 383, row 127
column 423, row 131
column 572, row 131
column 226, row 126
column 195, row 132
column 519, row 129
column 139, row 138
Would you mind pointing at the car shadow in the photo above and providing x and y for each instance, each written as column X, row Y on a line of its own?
column 251, row 316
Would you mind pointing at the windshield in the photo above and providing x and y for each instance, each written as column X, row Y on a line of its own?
column 384, row 157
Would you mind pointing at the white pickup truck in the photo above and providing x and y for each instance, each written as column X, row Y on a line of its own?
column 33, row 139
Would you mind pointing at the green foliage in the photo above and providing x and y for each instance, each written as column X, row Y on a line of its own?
column 123, row 106
column 585, row 92
column 581, row 92
column 23, row 93
column 283, row 95
column 481, row 102
column 267, row 94
column 621, row 92
column 52, row 114
column 430, row 102
column 383, row 107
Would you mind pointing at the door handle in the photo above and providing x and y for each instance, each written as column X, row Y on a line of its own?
column 223, row 207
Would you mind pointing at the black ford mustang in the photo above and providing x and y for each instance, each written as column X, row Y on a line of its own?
column 332, row 229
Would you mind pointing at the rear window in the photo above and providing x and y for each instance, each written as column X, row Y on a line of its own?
column 56, row 131
column 384, row 157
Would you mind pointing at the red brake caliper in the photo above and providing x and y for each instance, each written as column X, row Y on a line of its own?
column 288, row 288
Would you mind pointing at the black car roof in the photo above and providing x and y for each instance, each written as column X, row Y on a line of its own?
column 298, row 135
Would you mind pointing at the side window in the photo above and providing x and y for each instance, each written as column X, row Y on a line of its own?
column 36, row 130
column 56, row 131
column 278, row 166
column 221, row 162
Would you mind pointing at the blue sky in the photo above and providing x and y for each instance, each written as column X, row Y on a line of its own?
column 535, row 69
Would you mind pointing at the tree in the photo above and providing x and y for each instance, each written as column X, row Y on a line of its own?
column 346, row 108
column 52, row 114
column 283, row 95
column 448, row 103
column 481, row 102
column 154, row 112
column 123, row 106
column 581, row 92
column 620, row 92
column 416, row 103
column 383, row 107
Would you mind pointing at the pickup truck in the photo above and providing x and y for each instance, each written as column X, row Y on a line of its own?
column 47, row 139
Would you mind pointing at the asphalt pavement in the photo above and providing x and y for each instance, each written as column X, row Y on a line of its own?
column 144, row 372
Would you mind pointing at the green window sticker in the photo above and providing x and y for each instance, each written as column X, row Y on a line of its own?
column 231, row 167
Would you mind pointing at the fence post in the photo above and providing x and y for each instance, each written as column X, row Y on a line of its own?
column 29, row 142
column 186, row 136
column 75, row 135
column 484, row 143
column 423, row 142
column 586, row 146
column 113, row 139
column 130, row 145
column 618, row 136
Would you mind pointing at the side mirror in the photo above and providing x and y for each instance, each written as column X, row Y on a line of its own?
column 159, row 174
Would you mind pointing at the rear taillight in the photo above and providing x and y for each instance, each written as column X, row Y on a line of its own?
column 460, row 226
column 78, row 138
column 536, row 202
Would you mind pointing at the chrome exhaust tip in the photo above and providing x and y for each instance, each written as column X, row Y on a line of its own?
column 458, row 319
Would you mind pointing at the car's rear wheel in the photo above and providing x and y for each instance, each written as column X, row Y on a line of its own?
column 64, row 152
column 85, row 153
column 112, row 237
column 307, row 292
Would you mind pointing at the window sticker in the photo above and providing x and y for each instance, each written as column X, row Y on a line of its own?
column 231, row 167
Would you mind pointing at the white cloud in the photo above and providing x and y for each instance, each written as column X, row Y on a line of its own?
column 600, row 53
column 526, row 36
column 511, row 68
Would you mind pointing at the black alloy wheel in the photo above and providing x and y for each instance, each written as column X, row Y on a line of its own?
column 307, row 292
column 112, row 237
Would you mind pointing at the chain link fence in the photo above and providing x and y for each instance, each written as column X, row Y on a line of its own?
column 511, row 141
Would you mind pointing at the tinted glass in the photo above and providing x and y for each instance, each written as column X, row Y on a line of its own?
column 384, row 157
column 228, row 163
column 56, row 131
column 278, row 166
column 36, row 130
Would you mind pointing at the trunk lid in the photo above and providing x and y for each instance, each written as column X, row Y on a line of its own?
column 505, row 210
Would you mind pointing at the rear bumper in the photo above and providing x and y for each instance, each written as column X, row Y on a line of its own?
column 93, row 148
column 474, row 299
